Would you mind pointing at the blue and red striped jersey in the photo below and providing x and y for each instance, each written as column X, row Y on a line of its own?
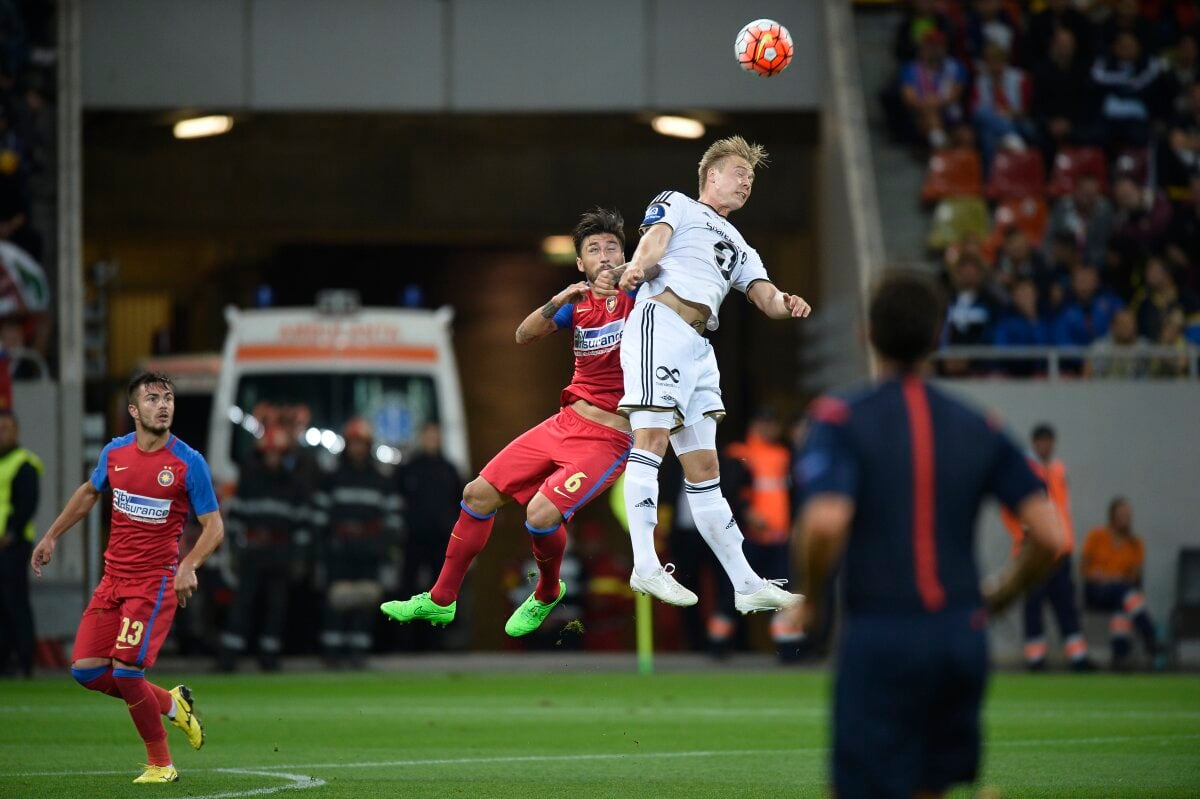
column 152, row 493
column 918, row 464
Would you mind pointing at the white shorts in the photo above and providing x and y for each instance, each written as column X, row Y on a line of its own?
column 668, row 366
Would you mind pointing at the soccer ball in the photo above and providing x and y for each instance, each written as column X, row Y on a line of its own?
column 764, row 47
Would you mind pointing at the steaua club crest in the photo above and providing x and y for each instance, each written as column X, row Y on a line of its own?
column 610, row 304
column 166, row 477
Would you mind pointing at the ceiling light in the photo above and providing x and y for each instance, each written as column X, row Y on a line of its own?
column 198, row 127
column 560, row 249
column 680, row 127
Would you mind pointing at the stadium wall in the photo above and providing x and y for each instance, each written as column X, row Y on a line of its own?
column 438, row 55
column 1137, row 439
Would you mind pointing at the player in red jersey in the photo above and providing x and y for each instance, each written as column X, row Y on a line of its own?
column 156, row 479
column 566, row 461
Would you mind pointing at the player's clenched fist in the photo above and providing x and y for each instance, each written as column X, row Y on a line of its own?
column 43, row 553
column 796, row 306
column 633, row 277
column 185, row 584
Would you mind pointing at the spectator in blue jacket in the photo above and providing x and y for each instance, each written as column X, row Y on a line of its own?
column 1087, row 314
column 1022, row 326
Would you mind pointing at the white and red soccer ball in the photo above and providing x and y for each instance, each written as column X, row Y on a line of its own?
column 764, row 47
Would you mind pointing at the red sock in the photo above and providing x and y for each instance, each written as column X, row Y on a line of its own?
column 144, row 709
column 467, row 540
column 548, row 552
column 162, row 696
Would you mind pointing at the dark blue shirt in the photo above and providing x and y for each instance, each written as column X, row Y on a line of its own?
column 917, row 465
column 1079, row 324
column 1021, row 331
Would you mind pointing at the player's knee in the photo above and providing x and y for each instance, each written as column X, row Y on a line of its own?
column 482, row 497
column 652, row 439
column 88, row 670
column 700, row 467
column 542, row 515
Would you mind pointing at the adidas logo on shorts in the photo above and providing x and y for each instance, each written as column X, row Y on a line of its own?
column 646, row 503
column 732, row 522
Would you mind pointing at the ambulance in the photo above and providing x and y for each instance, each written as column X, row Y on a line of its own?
column 311, row 369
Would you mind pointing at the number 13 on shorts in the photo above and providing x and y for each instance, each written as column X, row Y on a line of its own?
column 131, row 631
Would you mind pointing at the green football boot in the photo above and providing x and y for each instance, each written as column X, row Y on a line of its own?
column 420, row 608
column 532, row 613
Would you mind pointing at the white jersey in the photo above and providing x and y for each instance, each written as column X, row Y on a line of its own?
column 705, row 257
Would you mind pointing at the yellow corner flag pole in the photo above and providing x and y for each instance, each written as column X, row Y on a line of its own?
column 645, row 633
column 642, row 608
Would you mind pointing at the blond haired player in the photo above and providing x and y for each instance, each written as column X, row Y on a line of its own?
column 672, row 384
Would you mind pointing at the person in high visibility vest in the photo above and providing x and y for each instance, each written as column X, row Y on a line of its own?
column 768, row 522
column 1059, row 588
column 20, row 475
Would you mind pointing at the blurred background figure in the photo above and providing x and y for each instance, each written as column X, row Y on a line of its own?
column 931, row 88
column 1058, row 589
column 768, row 522
column 267, row 520
column 431, row 489
column 20, row 475
column 1112, row 583
column 358, row 513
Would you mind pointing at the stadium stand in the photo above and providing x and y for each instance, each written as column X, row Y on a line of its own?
column 1107, row 102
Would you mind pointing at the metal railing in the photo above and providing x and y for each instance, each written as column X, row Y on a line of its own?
column 1055, row 361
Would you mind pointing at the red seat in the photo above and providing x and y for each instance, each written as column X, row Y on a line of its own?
column 1016, row 174
column 1028, row 214
column 953, row 173
column 1071, row 163
column 1133, row 162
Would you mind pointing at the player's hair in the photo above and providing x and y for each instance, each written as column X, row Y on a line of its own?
column 148, row 379
column 595, row 222
column 721, row 149
column 1115, row 503
column 1042, row 430
column 905, row 317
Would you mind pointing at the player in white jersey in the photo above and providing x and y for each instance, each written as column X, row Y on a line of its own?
column 672, row 384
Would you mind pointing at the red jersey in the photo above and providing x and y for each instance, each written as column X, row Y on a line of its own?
column 597, row 324
column 152, row 494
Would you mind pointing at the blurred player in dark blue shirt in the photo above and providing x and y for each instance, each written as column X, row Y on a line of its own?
column 893, row 477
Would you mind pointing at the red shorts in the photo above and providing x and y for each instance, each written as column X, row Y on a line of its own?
column 127, row 620
column 567, row 458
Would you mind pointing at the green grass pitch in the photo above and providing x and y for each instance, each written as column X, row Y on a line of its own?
column 701, row 734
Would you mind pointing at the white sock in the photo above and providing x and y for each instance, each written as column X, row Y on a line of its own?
column 641, row 507
column 174, row 708
column 715, row 522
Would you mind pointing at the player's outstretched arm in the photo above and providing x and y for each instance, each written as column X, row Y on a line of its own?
column 77, row 507
column 648, row 253
column 540, row 323
column 777, row 304
column 1043, row 541
column 608, row 281
column 212, row 531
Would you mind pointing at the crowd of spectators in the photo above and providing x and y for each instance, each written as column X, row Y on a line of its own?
column 1063, row 146
column 27, row 60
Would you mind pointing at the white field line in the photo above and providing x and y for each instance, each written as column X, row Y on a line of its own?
column 296, row 782
column 278, row 771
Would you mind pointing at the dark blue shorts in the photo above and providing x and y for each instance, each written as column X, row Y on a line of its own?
column 907, row 700
column 1108, row 597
